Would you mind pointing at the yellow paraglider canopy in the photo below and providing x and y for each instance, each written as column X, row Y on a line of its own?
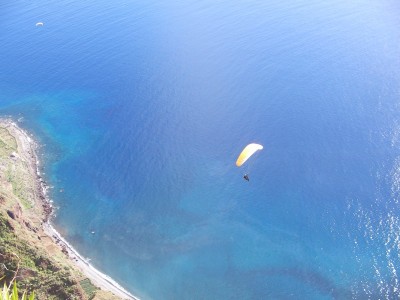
column 248, row 151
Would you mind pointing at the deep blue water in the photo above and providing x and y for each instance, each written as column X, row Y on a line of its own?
column 143, row 106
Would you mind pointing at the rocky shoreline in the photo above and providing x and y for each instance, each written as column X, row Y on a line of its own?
column 30, row 209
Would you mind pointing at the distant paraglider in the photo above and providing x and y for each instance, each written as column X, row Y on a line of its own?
column 247, row 152
column 39, row 24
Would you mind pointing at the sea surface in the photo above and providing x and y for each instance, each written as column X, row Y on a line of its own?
column 142, row 107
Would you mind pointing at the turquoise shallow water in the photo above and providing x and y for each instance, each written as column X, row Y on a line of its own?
column 143, row 106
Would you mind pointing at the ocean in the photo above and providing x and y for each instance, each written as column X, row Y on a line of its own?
column 142, row 107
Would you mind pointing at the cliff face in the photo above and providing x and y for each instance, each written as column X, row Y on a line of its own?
column 33, row 268
column 27, row 253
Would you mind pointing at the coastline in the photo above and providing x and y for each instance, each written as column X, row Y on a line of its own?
column 43, row 209
column 98, row 278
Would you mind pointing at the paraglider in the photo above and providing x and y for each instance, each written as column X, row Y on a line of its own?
column 39, row 24
column 247, row 152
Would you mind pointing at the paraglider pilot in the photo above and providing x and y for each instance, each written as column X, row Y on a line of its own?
column 248, row 151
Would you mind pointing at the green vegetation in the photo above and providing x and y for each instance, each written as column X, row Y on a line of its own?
column 88, row 288
column 14, row 166
column 8, row 144
column 12, row 294
column 34, row 269
column 20, row 184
